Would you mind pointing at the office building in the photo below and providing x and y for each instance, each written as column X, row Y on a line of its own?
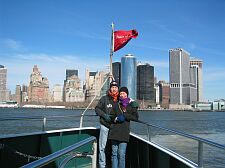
column 38, row 89
column 3, row 78
column 71, row 72
column 72, row 90
column 197, row 63
column 164, row 94
column 145, row 83
column 156, row 87
column 182, row 88
column 24, row 93
column 129, row 74
column 57, row 93
column 116, row 70
column 18, row 94
column 94, row 84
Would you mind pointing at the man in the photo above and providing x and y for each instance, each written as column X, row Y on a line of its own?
column 103, row 109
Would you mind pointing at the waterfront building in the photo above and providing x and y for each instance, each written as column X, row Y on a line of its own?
column 217, row 105
column 24, row 93
column 197, row 63
column 157, row 93
column 145, row 83
column 3, row 78
column 18, row 94
column 73, row 95
column 71, row 72
column 38, row 89
column 182, row 89
column 129, row 74
column 164, row 94
column 93, row 84
column 57, row 93
column 72, row 90
column 116, row 70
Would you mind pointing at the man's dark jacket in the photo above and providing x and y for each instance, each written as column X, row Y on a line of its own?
column 105, row 106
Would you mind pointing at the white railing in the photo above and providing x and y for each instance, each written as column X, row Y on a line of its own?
column 200, row 141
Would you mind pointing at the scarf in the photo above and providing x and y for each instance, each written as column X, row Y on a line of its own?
column 114, row 96
column 125, row 101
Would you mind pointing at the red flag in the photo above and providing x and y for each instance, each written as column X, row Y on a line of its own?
column 122, row 37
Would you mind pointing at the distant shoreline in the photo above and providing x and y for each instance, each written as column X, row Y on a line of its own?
column 83, row 108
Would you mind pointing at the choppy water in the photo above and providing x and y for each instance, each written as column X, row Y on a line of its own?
column 207, row 125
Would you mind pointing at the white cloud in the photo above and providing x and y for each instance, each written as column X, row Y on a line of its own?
column 215, row 74
column 149, row 47
column 13, row 44
column 45, row 57
column 163, row 27
column 90, row 35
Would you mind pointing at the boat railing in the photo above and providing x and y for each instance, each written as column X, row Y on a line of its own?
column 43, row 119
column 149, row 133
column 199, row 140
column 69, row 153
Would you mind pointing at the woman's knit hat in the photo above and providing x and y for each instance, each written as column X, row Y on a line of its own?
column 124, row 89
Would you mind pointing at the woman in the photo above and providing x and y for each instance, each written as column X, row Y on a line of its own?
column 120, row 129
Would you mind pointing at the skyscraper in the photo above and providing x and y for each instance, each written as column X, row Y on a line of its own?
column 182, row 88
column 164, row 94
column 24, row 93
column 18, row 94
column 93, row 84
column 145, row 83
column 129, row 74
column 57, row 93
column 71, row 72
column 38, row 90
column 72, row 90
column 3, row 78
column 197, row 63
column 116, row 70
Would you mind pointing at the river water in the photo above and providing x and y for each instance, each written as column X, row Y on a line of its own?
column 207, row 125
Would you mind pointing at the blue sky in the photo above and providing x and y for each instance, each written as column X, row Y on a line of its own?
column 75, row 34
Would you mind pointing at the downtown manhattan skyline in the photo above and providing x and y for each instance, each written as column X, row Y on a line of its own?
column 60, row 35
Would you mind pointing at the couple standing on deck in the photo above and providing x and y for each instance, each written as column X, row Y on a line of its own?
column 115, row 110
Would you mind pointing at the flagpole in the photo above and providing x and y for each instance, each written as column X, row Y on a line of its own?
column 111, row 51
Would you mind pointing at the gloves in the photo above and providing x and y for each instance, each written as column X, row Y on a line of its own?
column 120, row 118
column 107, row 117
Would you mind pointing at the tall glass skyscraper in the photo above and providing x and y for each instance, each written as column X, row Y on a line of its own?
column 145, row 82
column 129, row 74
column 116, row 68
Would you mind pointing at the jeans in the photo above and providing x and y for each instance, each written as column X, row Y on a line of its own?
column 102, row 143
column 118, row 154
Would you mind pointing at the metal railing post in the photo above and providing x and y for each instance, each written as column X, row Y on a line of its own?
column 148, row 133
column 94, row 157
column 81, row 120
column 44, row 123
column 200, row 154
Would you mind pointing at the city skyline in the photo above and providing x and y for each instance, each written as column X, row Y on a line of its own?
column 76, row 35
